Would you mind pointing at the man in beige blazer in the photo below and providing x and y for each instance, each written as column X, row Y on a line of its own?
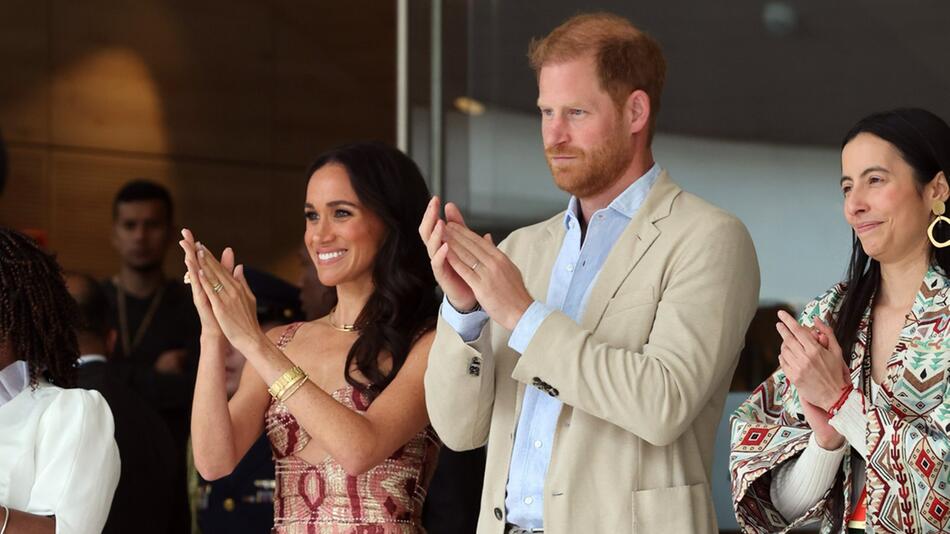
column 592, row 352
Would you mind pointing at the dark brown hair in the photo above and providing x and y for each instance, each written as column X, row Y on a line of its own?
column 923, row 141
column 404, row 304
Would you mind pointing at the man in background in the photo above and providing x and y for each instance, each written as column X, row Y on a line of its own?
column 145, row 495
column 154, row 316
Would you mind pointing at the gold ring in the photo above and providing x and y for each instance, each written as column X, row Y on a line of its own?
column 217, row 288
column 187, row 278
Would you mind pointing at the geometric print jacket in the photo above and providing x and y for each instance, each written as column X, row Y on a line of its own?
column 908, row 429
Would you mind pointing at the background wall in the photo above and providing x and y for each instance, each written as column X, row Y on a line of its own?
column 225, row 102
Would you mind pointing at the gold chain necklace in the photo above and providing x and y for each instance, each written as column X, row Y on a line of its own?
column 342, row 327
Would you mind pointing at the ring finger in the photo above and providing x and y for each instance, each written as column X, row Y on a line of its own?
column 464, row 254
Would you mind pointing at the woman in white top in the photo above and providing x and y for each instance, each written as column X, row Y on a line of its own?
column 854, row 429
column 59, row 464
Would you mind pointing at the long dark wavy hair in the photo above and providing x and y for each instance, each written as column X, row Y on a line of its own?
column 37, row 315
column 404, row 304
column 923, row 141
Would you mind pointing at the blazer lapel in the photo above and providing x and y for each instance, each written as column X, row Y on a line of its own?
column 633, row 243
column 544, row 253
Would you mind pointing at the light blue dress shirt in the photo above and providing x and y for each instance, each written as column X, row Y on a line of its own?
column 577, row 266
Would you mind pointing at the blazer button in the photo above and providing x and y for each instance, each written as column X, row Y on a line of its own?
column 498, row 514
column 536, row 382
column 475, row 367
column 553, row 392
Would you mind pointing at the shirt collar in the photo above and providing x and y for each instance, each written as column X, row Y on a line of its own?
column 627, row 203
column 13, row 379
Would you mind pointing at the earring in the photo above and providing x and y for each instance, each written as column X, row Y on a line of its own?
column 938, row 208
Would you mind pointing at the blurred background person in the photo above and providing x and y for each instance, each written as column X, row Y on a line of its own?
column 157, row 328
column 59, row 464
column 146, row 482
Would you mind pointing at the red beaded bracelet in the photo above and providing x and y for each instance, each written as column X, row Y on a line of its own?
column 845, row 392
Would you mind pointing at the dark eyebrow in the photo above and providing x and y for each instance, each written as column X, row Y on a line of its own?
column 866, row 172
column 332, row 204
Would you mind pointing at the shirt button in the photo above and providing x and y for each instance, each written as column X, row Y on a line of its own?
column 528, row 500
column 537, row 444
column 570, row 267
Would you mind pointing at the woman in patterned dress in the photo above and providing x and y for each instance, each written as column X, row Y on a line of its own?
column 854, row 429
column 350, row 434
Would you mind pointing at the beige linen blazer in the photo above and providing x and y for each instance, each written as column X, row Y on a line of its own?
column 643, row 377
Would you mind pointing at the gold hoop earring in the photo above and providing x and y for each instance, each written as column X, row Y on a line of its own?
column 938, row 208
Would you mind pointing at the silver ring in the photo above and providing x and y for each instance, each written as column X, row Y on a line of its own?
column 477, row 263
column 187, row 278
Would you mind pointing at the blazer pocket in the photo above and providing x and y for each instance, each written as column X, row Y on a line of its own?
column 676, row 509
column 627, row 300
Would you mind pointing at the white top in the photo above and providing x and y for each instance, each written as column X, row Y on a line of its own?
column 58, row 456
column 13, row 378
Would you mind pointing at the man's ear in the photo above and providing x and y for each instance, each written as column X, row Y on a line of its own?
column 638, row 111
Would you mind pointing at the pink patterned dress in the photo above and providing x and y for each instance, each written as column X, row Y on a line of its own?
column 323, row 499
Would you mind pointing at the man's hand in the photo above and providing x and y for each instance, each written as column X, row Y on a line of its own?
column 495, row 281
column 432, row 231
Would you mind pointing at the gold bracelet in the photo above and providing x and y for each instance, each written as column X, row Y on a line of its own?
column 280, row 385
column 292, row 388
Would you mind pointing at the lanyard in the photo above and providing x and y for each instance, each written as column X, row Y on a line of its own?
column 128, row 345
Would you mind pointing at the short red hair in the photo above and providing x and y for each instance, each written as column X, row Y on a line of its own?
column 627, row 58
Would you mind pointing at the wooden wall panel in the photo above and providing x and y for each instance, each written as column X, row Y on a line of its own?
column 26, row 200
column 350, row 95
column 24, row 84
column 180, row 78
column 224, row 102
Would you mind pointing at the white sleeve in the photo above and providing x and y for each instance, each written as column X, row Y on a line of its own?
column 77, row 463
column 800, row 483
column 851, row 422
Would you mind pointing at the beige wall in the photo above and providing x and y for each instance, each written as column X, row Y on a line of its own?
column 225, row 102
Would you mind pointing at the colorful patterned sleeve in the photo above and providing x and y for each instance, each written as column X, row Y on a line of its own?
column 768, row 429
column 908, row 426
